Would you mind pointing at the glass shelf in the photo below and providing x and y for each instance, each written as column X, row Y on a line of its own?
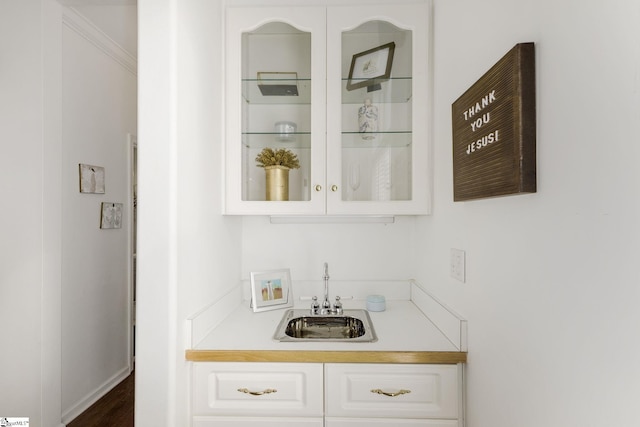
column 395, row 90
column 261, row 140
column 281, row 90
column 302, row 140
column 397, row 139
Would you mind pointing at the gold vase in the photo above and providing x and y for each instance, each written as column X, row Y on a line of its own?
column 277, row 180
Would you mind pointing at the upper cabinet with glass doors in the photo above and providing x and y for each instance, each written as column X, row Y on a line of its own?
column 341, row 95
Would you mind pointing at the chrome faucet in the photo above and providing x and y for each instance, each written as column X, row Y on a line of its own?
column 326, row 307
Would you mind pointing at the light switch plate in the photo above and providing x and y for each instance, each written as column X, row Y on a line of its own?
column 457, row 270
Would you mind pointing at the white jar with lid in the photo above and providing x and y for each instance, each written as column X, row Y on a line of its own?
column 376, row 303
column 285, row 131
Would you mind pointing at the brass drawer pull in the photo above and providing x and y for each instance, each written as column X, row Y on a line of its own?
column 390, row 394
column 257, row 393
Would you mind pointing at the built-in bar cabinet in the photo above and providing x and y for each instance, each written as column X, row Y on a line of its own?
column 344, row 89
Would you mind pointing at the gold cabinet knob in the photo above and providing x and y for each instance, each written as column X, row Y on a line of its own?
column 318, row 187
column 334, row 188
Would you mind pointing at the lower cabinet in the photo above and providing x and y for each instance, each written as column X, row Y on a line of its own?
column 391, row 422
column 331, row 395
column 386, row 395
column 256, row 421
column 257, row 394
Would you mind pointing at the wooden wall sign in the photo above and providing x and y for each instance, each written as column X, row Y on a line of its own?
column 494, row 130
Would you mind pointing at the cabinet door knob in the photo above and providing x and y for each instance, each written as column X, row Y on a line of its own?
column 334, row 188
column 318, row 187
column 390, row 393
column 257, row 393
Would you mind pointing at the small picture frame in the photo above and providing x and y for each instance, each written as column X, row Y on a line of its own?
column 271, row 290
column 371, row 67
column 91, row 179
column 111, row 215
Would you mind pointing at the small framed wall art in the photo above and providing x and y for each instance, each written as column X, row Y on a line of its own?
column 271, row 290
column 111, row 215
column 91, row 179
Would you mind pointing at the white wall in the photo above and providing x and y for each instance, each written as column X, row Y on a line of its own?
column 98, row 112
column 189, row 255
column 550, row 292
column 552, row 286
column 21, row 266
column 354, row 252
column 43, row 239
column 31, row 214
column 208, row 261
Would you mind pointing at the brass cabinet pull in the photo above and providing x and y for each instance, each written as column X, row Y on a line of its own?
column 334, row 188
column 390, row 394
column 318, row 187
column 257, row 393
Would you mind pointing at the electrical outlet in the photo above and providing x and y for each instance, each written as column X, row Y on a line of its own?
column 457, row 264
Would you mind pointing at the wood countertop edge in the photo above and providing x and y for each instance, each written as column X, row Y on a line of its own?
column 310, row 356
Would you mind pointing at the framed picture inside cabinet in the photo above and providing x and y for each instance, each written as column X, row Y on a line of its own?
column 271, row 290
column 371, row 67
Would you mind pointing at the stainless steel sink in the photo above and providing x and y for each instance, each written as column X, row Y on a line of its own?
column 351, row 326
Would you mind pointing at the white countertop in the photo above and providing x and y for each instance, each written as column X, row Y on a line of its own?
column 401, row 327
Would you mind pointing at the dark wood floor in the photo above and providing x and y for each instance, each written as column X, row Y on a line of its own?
column 115, row 409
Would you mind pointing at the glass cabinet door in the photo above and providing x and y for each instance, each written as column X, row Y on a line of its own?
column 378, row 154
column 376, row 113
column 276, row 109
column 344, row 89
column 276, row 112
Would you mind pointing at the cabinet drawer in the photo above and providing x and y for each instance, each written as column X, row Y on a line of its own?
column 415, row 391
column 387, row 422
column 273, row 389
column 256, row 422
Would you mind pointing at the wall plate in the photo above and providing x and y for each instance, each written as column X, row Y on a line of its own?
column 457, row 264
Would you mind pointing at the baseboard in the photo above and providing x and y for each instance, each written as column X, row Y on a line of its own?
column 84, row 404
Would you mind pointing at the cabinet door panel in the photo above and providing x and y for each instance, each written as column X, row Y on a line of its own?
column 415, row 391
column 255, row 422
column 394, row 422
column 275, row 73
column 378, row 113
column 258, row 389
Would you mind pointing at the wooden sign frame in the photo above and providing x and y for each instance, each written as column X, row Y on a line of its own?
column 494, row 130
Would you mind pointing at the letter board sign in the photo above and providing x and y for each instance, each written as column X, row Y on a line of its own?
column 494, row 130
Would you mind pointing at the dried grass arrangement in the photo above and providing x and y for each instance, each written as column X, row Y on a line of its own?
column 280, row 157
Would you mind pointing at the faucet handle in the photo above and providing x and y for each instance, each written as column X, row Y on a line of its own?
column 338, row 306
column 315, row 306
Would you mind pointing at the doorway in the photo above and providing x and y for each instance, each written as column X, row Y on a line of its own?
column 133, row 227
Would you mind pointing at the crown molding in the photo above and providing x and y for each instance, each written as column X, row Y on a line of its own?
column 85, row 28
